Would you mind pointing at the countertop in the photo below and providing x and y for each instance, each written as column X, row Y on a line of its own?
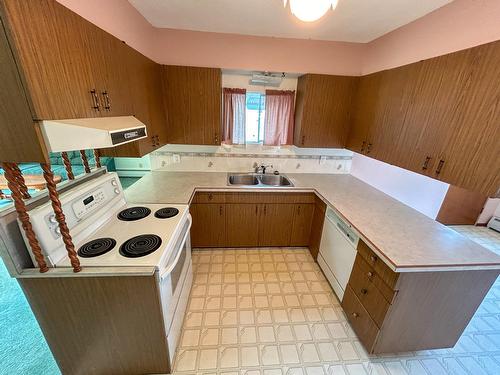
column 405, row 239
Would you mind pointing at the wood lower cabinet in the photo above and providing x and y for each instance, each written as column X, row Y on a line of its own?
column 323, row 110
column 193, row 101
column 242, row 224
column 275, row 225
column 302, row 223
column 209, row 225
column 254, row 219
column 394, row 312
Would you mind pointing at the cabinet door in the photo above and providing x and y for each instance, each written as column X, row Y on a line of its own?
column 364, row 108
column 302, row 221
column 325, row 110
column 275, row 224
column 209, row 225
column 242, row 225
column 54, row 50
column 471, row 157
column 192, row 98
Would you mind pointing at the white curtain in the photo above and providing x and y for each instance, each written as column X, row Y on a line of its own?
column 234, row 114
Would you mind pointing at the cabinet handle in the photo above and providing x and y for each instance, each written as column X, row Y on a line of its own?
column 216, row 138
column 157, row 137
column 363, row 146
column 107, row 101
column 369, row 274
column 210, row 196
column 256, row 209
column 368, row 148
column 373, row 258
column 440, row 166
column 153, row 141
column 356, row 315
column 95, row 100
column 303, row 139
column 220, row 210
column 298, row 210
column 364, row 291
column 265, row 209
column 426, row 163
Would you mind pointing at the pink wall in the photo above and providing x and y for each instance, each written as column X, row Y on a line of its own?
column 459, row 25
column 119, row 18
column 422, row 193
column 258, row 53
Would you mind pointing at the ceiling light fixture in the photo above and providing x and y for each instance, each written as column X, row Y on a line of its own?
column 310, row 10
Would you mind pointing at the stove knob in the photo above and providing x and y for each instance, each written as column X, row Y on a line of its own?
column 58, row 230
column 117, row 191
column 52, row 219
column 114, row 183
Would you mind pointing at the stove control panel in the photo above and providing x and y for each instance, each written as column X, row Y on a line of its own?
column 88, row 204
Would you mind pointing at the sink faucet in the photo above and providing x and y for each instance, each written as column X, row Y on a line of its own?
column 261, row 167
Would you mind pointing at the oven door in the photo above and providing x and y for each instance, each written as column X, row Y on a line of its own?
column 172, row 276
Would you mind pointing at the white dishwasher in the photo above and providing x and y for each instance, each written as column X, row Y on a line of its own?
column 337, row 251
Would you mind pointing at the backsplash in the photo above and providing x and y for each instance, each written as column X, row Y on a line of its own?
column 242, row 159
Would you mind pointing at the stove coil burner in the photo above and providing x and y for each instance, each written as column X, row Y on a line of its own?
column 134, row 213
column 96, row 247
column 166, row 212
column 139, row 246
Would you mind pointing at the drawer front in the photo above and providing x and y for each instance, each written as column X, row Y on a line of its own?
column 389, row 276
column 363, row 268
column 360, row 320
column 368, row 294
column 207, row 197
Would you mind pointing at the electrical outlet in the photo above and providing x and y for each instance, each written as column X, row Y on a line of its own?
column 176, row 158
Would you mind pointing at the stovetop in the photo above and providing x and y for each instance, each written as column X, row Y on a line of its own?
column 130, row 240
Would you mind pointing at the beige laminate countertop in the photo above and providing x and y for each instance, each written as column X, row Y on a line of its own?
column 403, row 237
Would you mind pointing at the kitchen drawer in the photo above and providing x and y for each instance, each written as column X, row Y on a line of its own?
column 363, row 271
column 389, row 276
column 361, row 322
column 209, row 197
column 368, row 294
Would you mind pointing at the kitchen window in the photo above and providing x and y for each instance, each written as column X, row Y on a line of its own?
column 255, row 117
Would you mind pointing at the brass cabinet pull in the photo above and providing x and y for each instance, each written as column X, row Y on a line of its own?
column 440, row 166
column 216, row 138
column 368, row 148
column 153, row 141
column 364, row 291
column 426, row 163
column 107, row 101
column 373, row 258
column 356, row 315
column 210, row 197
column 303, row 139
column 363, row 146
column 298, row 210
column 95, row 100
column 369, row 274
column 220, row 210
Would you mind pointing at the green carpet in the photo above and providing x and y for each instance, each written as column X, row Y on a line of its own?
column 23, row 349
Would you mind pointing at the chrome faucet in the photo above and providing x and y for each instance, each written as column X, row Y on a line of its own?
column 258, row 168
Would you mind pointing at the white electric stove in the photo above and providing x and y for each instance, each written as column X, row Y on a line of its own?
column 108, row 232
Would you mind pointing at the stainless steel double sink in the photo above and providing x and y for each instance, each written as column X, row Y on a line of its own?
column 258, row 180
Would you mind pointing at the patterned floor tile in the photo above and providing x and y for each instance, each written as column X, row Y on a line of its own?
column 271, row 312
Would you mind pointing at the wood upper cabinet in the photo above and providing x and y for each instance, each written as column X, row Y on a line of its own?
column 437, row 117
column 193, row 101
column 323, row 110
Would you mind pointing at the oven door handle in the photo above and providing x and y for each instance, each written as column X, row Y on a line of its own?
column 179, row 252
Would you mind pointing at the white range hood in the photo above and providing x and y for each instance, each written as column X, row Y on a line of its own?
column 91, row 133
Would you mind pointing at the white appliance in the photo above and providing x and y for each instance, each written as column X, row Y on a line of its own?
column 108, row 232
column 337, row 251
column 91, row 133
column 494, row 223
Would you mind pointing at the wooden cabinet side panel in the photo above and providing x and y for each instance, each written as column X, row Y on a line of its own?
column 432, row 309
column 19, row 138
column 461, row 207
column 110, row 317
column 317, row 227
